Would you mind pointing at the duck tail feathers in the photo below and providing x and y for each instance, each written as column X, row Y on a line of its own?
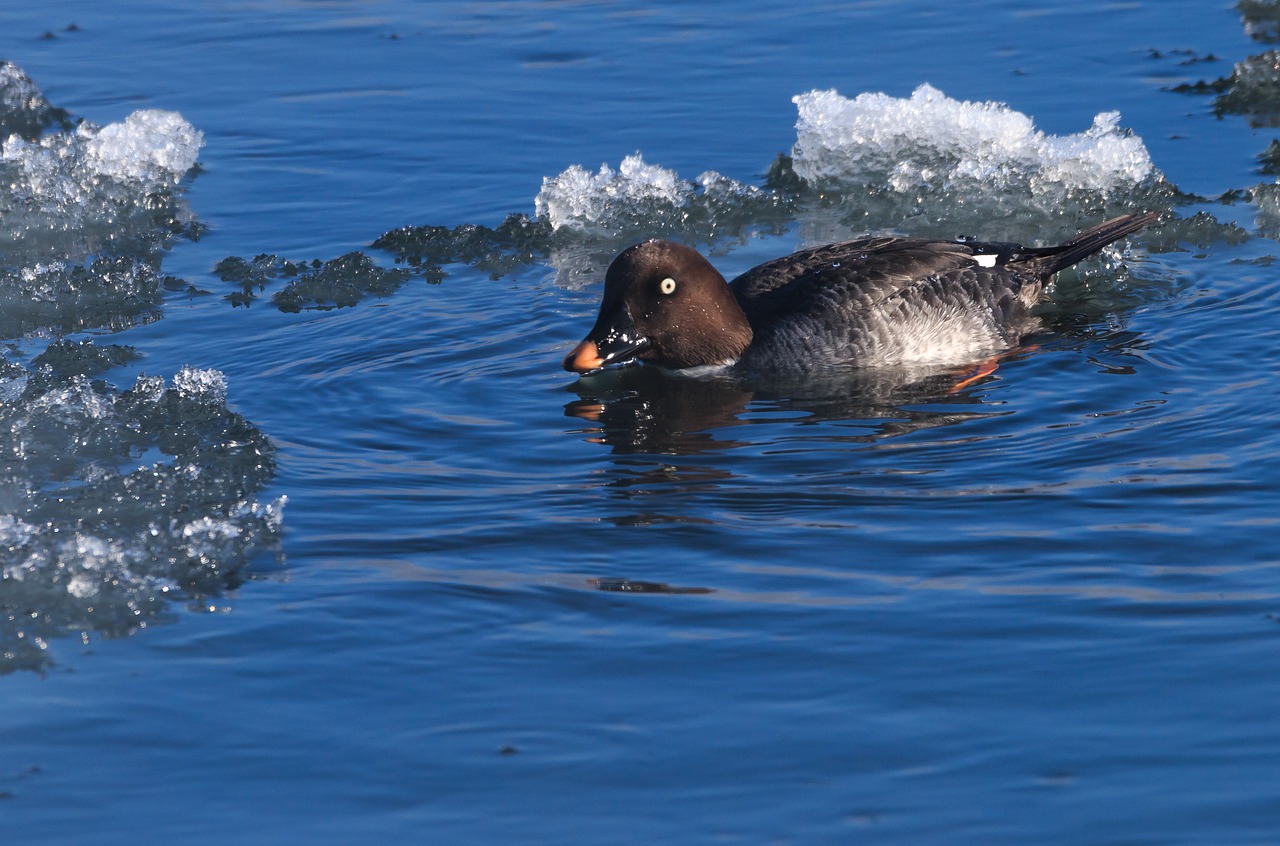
column 1091, row 240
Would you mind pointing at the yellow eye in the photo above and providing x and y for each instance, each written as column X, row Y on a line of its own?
column 667, row 286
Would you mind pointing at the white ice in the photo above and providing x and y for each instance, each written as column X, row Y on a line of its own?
column 203, row 385
column 581, row 201
column 972, row 154
column 109, row 539
column 930, row 140
column 69, row 192
column 151, row 147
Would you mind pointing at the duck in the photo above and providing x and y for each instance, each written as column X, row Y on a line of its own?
column 870, row 302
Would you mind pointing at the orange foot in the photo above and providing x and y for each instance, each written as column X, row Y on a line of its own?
column 985, row 368
column 981, row 370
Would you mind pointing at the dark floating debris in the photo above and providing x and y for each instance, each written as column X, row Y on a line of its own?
column 1269, row 159
column 1252, row 90
column 1185, row 57
column 68, row 358
column 518, row 241
column 337, row 283
column 1261, row 19
column 615, row 585
column 424, row 251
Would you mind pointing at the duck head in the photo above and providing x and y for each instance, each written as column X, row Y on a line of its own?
column 666, row 305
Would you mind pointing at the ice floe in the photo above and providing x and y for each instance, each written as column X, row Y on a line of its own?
column 640, row 197
column 87, row 213
column 926, row 164
column 23, row 109
column 930, row 140
column 609, row 199
column 75, row 192
column 1253, row 90
column 113, row 503
column 151, row 147
column 96, row 189
column 1266, row 199
column 872, row 156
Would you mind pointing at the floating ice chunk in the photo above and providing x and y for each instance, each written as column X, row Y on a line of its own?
column 76, row 404
column 640, row 199
column 927, row 163
column 101, row 195
column 150, row 146
column 933, row 142
column 116, row 291
column 208, row 386
column 23, row 109
column 14, row 532
column 17, row 92
column 69, row 193
column 113, row 501
column 11, row 387
column 82, row 586
column 584, row 202
column 1105, row 158
column 1266, row 198
column 1252, row 89
column 148, row 389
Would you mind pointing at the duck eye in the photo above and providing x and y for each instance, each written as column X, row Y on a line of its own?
column 667, row 286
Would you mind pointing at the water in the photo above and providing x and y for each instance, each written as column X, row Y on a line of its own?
column 279, row 570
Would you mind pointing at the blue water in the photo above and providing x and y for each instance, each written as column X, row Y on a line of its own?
column 507, row 606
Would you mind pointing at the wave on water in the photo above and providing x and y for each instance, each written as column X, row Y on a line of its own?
column 113, row 503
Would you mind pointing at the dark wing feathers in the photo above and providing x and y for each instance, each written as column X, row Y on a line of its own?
column 853, row 276
column 904, row 299
column 1049, row 260
column 860, row 275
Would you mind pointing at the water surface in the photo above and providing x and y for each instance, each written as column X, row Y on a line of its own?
column 410, row 582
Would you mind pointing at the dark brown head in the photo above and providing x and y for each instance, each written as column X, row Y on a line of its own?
column 664, row 304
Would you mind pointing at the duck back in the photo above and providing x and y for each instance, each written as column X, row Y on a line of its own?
column 882, row 301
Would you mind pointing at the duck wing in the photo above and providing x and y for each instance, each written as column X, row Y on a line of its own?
column 899, row 300
column 842, row 279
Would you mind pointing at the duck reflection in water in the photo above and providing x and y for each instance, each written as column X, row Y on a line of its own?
column 640, row 410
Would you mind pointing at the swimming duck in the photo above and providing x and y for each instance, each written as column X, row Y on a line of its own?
column 865, row 303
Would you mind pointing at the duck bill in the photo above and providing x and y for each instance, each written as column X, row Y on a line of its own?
column 611, row 340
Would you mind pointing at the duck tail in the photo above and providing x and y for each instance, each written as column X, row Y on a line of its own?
column 1093, row 239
